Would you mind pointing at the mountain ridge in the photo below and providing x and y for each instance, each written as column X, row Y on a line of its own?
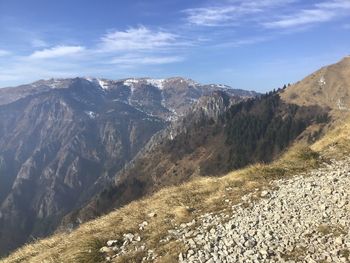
column 326, row 87
column 62, row 140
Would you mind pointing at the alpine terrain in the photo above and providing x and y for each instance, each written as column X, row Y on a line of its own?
column 143, row 170
column 62, row 141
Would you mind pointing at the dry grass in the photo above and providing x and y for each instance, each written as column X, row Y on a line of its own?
column 336, row 143
column 175, row 205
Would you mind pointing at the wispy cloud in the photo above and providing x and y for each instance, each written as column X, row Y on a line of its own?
column 138, row 46
column 270, row 14
column 114, row 51
column 231, row 12
column 221, row 25
column 4, row 53
column 56, row 52
column 142, row 60
column 244, row 41
column 140, row 38
column 319, row 13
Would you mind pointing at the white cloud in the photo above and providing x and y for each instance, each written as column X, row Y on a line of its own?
column 141, row 46
column 213, row 16
column 304, row 17
column 144, row 60
column 231, row 12
column 4, row 53
column 114, row 52
column 319, row 13
column 56, row 52
column 334, row 4
column 263, row 13
column 244, row 41
column 141, row 38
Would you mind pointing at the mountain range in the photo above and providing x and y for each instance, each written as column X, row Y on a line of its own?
column 72, row 150
column 62, row 141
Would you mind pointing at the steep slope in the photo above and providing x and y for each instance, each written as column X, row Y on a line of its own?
column 327, row 87
column 57, row 148
column 62, row 140
column 254, row 131
column 214, row 138
column 153, row 229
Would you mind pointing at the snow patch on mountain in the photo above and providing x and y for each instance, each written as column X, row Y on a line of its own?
column 103, row 84
column 91, row 114
column 189, row 82
column 51, row 83
column 131, row 82
column 159, row 83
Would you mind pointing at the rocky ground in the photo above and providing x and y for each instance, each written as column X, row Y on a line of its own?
column 302, row 219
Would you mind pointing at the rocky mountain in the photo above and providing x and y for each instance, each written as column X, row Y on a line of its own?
column 218, row 135
column 62, row 140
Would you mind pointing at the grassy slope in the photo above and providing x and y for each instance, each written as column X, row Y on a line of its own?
column 327, row 87
column 176, row 205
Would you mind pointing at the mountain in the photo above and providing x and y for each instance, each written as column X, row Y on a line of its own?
column 218, row 135
column 284, row 174
column 327, row 87
column 63, row 140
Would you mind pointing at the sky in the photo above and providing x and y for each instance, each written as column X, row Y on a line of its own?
column 250, row 44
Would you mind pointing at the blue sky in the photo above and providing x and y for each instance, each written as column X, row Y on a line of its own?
column 249, row 44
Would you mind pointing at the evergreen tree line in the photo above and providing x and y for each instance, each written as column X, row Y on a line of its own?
column 259, row 129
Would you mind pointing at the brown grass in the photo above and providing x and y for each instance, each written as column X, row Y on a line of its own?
column 336, row 143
